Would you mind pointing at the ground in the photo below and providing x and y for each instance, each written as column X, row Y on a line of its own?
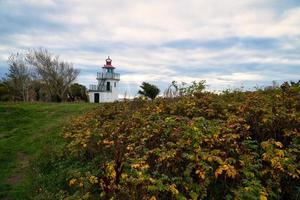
column 25, row 130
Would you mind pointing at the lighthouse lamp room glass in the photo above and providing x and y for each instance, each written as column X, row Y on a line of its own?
column 107, row 88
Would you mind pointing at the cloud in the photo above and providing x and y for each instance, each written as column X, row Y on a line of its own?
column 229, row 43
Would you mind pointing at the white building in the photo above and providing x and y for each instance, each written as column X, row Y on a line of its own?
column 108, row 83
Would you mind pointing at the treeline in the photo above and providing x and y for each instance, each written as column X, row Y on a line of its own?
column 39, row 75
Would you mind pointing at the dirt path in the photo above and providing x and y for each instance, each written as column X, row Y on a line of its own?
column 18, row 174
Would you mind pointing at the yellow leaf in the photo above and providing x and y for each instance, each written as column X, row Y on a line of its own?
column 265, row 157
column 93, row 179
column 72, row 181
column 201, row 174
column 218, row 171
column 262, row 197
column 279, row 152
column 209, row 159
column 153, row 198
column 279, row 144
column 231, row 172
column 173, row 189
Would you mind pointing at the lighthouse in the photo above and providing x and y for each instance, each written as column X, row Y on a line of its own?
column 107, row 88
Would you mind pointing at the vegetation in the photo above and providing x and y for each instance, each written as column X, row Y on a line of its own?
column 19, row 77
column 193, row 145
column 29, row 132
column 4, row 92
column 77, row 92
column 149, row 90
column 176, row 90
column 38, row 75
column 201, row 145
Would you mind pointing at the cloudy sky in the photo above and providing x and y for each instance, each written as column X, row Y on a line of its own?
column 228, row 43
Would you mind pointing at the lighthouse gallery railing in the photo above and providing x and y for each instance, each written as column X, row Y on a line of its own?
column 102, row 75
column 98, row 89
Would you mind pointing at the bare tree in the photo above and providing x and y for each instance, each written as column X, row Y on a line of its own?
column 57, row 75
column 176, row 90
column 19, row 77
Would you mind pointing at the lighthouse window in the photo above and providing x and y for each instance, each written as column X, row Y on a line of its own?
column 108, row 86
column 115, row 84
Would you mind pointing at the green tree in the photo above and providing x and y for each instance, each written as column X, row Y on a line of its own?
column 194, row 88
column 77, row 92
column 149, row 90
column 4, row 91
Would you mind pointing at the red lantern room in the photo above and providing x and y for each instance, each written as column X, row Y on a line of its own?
column 108, row 64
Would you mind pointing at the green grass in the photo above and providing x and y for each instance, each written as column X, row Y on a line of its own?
column 26, row 130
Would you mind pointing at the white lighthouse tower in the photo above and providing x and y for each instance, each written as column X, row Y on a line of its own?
column 107, row 88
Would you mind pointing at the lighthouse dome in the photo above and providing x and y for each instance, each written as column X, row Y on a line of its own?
column 108, row 63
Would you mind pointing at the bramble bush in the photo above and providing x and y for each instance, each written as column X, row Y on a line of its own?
column 201, row 145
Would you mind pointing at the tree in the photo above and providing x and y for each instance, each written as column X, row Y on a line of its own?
column 194, row 88
column 4, row 91
column 39, row 91
column 56, row 75
column 149, row 90
column 176, row 90
column 19, row 77
column 77, row 92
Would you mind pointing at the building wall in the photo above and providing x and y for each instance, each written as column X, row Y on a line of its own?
column 105, row 96
column 91, row 97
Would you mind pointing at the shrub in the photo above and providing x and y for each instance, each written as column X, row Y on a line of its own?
column 235, row 145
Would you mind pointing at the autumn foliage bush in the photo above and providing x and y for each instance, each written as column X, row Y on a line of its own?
column 234, row 145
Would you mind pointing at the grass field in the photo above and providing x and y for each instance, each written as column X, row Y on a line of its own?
column 27, row 129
